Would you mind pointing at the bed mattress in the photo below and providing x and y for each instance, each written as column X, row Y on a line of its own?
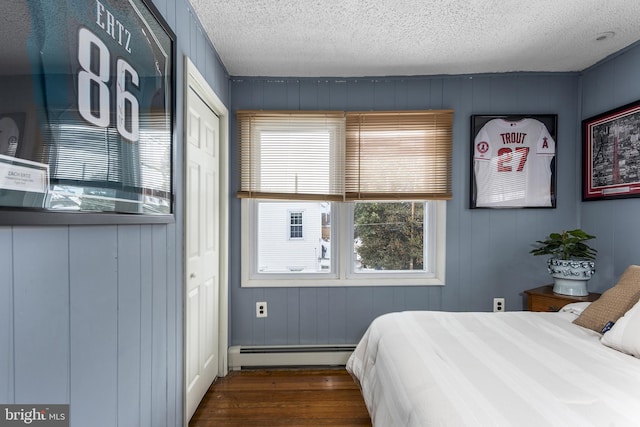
column 493, row 369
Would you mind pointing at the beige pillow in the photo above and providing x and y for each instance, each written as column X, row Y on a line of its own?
column 614, row 302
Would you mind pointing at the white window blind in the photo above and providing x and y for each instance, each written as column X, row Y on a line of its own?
column 299, row 155
column 399, row 155
column 293, row 155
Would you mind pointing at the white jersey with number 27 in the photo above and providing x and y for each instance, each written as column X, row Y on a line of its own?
column 512, row 164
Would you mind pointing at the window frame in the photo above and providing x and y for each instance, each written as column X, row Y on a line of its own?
column 291, row 224
column 342, row 272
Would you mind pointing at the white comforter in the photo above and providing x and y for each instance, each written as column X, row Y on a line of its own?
column 510, row 369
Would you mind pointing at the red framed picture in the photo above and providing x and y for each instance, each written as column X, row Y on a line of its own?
column 611, row 154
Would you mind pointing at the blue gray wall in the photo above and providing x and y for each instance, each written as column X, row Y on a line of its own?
column 616, row 223
column 92, row 315
column 487, row 249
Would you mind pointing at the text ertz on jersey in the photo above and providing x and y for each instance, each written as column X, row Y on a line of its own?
column 113, row 27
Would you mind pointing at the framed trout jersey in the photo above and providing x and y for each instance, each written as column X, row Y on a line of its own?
column 513, row 161
column 95, row 82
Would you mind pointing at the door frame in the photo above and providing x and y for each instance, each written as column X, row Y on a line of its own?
column 193, row 79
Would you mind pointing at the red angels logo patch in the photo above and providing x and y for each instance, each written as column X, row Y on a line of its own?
column 482, row 147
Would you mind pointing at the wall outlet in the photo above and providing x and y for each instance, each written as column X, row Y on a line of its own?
column 261, row 309
column 498, row 305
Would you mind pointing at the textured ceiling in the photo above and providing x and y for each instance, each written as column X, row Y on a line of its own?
column 347, row 38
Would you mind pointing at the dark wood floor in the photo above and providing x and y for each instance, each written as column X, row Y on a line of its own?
column 265, row 398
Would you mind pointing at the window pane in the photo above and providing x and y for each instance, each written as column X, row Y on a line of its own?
column 388, row 236
column 291, row 155
column 294, row 237
column 295, row 219
column 415, row 147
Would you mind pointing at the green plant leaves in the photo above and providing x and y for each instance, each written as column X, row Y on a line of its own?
column 566, row 245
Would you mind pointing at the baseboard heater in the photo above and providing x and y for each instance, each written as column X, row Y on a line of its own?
column 288, row 356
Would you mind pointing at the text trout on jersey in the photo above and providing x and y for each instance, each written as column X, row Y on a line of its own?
column 513, row 137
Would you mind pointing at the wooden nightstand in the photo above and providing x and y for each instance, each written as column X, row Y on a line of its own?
column 544, row 299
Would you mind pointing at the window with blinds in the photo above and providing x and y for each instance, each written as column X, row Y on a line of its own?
column 381, row 179
column 338, row 156
column 291, row 155
column 399, row 155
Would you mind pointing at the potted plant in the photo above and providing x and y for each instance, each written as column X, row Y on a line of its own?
column 572, row 261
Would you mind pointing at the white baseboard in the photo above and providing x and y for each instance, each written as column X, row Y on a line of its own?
column 288, row 356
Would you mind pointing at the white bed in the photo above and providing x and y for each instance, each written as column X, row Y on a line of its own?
column 510, row 369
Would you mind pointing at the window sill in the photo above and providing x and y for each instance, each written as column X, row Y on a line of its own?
column 332, row 283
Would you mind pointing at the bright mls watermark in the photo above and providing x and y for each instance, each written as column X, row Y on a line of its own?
column 34, row 415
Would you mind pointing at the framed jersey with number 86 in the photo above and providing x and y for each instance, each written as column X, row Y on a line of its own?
column 93, row 84
column 513, row 161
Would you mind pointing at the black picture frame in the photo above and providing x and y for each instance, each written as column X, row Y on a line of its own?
column 611, row 154
column 513, row 161
column 97, row 80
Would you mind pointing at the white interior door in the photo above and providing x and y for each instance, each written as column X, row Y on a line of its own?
column 202, row 235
